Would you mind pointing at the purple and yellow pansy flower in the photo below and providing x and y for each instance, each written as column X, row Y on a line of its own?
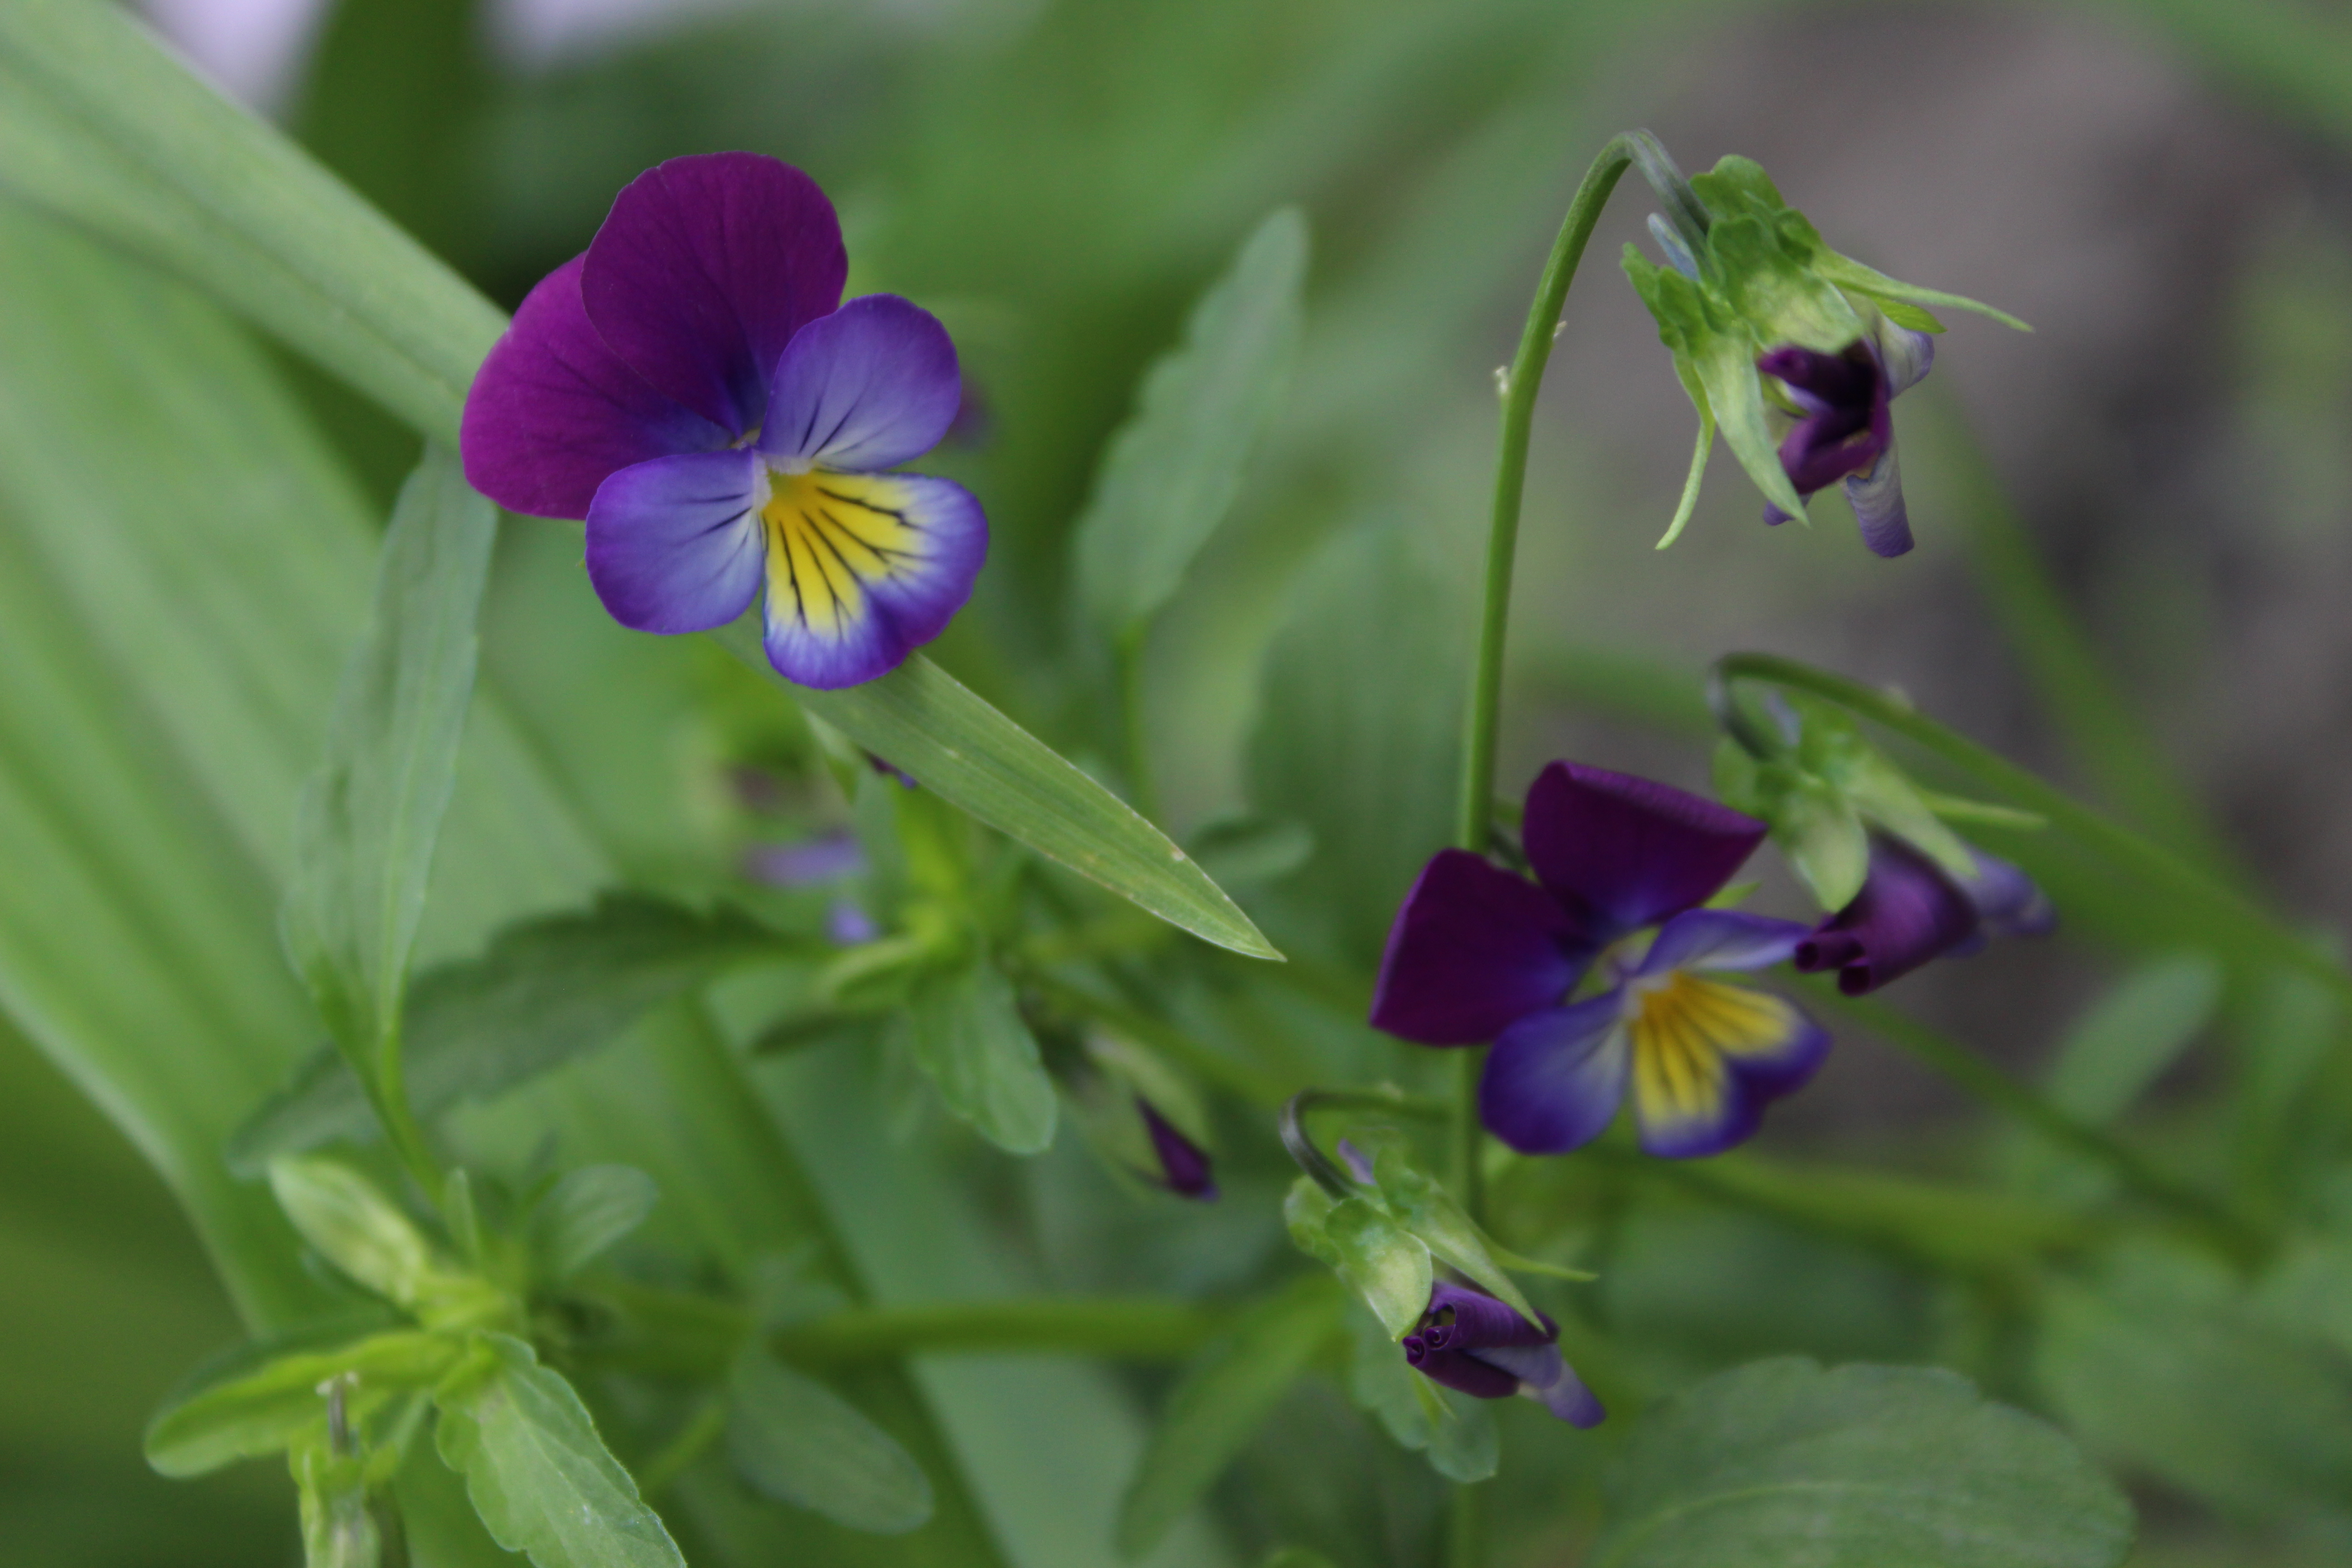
column 1623, row 868
column 694, row 387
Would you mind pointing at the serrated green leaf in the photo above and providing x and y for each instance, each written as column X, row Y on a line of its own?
column 368, row 821
column 585, row 1212
column 1780, row 1464
column 791, row 1439
column 1172, row 471
column 1219, row 1405
column 968, row 1036
column 355, row 1227
column 547, row 991
column 924, row 721
column 262, row 1409
column 539, row 1477
column 1385, row 1263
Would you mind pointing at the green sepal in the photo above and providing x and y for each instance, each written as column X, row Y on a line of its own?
column 1424, row 1210
column 341, row 1523
column 1727, row 368
column 257, row 1411
column 1772, row 289
column 1886, row 797
column 355, row 1227
column 1959, row 808
column 1818, row 828
column 1386, row 1264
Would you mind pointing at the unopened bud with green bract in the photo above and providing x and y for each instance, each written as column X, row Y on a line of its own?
column 1825, row 792
column 1751, row 277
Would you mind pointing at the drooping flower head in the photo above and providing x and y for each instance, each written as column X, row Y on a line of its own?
column 1472, row 1343
column 693, row 386
column 1910, row 911
column 1478, row 953
column 1793, row 351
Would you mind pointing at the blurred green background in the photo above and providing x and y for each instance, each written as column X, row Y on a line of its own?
column 2132, row 564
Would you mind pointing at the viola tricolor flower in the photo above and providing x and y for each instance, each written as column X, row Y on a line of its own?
column 1910, row 910
column 693, row 386
column 1470, row 1341
column 1183, row 1164
column 1792, row 351
column 1478, row 953
column 1836, row 424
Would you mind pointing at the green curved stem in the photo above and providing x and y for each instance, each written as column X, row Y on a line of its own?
column 1466, row 1533
column 2240, row 926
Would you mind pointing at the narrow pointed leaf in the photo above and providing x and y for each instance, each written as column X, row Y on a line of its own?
column 547, row 991
column 1173, row 470
column 539, row 1475
column 260, row 1409
column 926, row 723
column 368, row 821
column 791, row 1439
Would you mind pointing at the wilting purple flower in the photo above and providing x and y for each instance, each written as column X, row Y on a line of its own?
column 1910, row 910
column 1470, row 1341
column 1477, row 953
column 694, row 388
column 1842, row 428
column 1183, row 1164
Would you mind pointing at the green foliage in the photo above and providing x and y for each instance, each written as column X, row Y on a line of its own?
column 1223, row 1397
column 965, row 1027
column 1171, row 472
column 2162, row 1360
column 368, row 822
column 537, row 1472
column 585, row 1212
column 791, row 1439
column 1782, row 1463
column 1383, row 1261
column 263, row 1404
column 548, row 990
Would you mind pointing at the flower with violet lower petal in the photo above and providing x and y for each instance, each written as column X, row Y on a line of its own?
column 693, row 386
column 1910, row 911
column 1471, row 1343
column 1478, row 953
column 1789, row 349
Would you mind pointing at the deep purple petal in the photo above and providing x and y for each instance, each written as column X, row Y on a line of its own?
column 2009, row 901
column 1876, row 496
column 1907, row 912
column 828, row 858
column 863, row 569
column 1555, row 1080
column 554, row 412
column 1622, row 852
column 1844, row 425
column 1462, row 1318
column 1184, row 1166
column 705, row 268
column 1460, row 1371
column 673, row 545
column 1473, row 950
column 870, row 386
column 1721, row 939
